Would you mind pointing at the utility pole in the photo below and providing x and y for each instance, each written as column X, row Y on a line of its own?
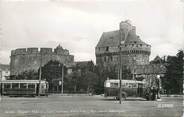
column 121, row 42
column 62, row 78
column 40, row 74
column 133, row 61
column 120, row 68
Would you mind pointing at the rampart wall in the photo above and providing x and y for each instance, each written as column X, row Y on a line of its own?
column 25, row 59
column 23, row 51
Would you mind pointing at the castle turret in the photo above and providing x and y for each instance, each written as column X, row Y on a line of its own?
column 59, row 50
column 133, row 49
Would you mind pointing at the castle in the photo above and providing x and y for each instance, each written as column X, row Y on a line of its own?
column 127, row 45
column 133, row 50
column 25, row 59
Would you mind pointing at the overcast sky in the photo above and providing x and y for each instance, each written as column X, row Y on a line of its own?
column 78, row 24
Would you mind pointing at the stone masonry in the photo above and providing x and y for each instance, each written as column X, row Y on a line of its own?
column 25, row 59
column 133, row 50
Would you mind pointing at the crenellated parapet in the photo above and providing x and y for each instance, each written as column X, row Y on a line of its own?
column 23, row 59
column 46, row 50
column 19, row 51
column 30, row 51
column 134, row 48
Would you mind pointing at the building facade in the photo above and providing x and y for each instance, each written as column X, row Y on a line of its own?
column 25, row 59
column 125, row 41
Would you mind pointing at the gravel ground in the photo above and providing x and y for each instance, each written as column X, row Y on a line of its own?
column 91, row 106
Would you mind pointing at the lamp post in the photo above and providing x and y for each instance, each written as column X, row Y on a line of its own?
column 62, row 78
column 40, row 74
column 134, row 60
column 126, row 28
column 120, row 67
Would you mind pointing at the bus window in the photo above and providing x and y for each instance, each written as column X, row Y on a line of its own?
column 123, row 85
column 31, row 85
column 43, row 86
column 130, row 85
column 15, row 85
column 114, row 85
column 144, row 85
column 23, row 85
column 126, row 85
column 7, row 85
column 134, row 85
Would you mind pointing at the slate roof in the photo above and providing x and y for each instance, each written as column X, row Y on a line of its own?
column 112, row 38
column 109, row 39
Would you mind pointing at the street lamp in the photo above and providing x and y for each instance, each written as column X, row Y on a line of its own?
column 126, row 28
column 120, row 72
column 134, row 60
column 62, row 78
column 40, row 74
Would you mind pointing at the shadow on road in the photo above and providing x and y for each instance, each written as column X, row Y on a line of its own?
column 127, row 99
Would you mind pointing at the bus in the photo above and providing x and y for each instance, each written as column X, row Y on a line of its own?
column 23, row 87
column 130, row 88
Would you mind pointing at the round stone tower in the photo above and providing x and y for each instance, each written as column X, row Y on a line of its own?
column 134, row 50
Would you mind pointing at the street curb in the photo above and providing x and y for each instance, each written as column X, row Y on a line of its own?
column 69, row 95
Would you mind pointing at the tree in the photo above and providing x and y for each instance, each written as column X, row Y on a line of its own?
column 90, row 81
column 52, row 72
column 103, row 74
column 126, row 73
column 173, row 80
column 26, row 75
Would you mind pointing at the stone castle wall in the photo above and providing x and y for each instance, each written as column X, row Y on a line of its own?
column 131, row 54
column 25, row 59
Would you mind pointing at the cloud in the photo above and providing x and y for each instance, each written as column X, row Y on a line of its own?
column 77, row 26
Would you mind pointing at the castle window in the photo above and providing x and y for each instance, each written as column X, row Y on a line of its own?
column 135, row 42
column 107, row 48
column 132, row 44
column 141, row 45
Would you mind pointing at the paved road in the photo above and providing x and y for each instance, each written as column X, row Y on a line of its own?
column 82, row 106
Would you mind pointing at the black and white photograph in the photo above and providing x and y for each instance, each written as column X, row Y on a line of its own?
column 91, row 58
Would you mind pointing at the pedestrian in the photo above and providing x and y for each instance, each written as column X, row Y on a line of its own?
column 155, row 87
column 158, row 89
